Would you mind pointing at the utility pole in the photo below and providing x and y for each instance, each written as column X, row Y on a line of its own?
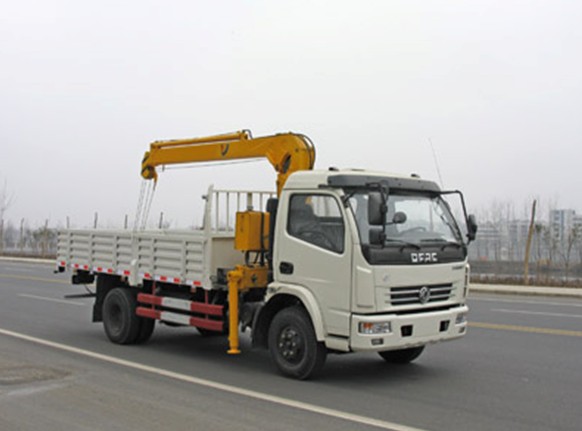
column 161, row 220
column 528, row 245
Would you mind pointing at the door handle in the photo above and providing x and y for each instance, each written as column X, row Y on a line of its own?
column 286, row 268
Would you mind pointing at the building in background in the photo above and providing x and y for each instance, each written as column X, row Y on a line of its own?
column 505, row 240
column 562, row 224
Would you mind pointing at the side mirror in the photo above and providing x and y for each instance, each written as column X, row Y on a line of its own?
column 399, row 218
column 471, row 227
column 376, row 209
column 377, row 237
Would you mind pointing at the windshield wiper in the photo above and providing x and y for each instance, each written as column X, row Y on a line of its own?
column 404, row 243
column 444, row 243
column 454, row 229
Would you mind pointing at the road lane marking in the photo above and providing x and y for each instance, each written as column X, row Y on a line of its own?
column 44, row 298
column 324, row 411
column 536, row 313
column 17, row 269
column 46, row 280
column 529, row 329
column 517, row 301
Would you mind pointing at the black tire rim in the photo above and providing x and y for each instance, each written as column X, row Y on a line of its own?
column 291, row 345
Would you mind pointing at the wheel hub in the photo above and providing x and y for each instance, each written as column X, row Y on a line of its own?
column 291, row 345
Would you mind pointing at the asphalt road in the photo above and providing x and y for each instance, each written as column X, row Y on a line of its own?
column 518, row 368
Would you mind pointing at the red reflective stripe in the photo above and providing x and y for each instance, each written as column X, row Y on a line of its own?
column 213, row 310
column 177, row 280
column 86, row 267
column 197, row 307
column 145, row 298
column 109, row 271
column 126, row 273
column 163, row 278
column 197, row 283
column 147, row 275
column 148, row 312
column 213, row 325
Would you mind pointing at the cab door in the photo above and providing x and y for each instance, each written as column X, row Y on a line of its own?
column 313, row 250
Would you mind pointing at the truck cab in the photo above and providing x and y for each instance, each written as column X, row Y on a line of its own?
column 378, row 262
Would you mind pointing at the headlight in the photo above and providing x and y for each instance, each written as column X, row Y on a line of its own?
column 374, row 328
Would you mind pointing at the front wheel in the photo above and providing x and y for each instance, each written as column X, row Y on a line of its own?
column 293, row 345
column 403, row 356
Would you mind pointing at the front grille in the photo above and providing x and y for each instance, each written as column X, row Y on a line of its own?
column 412, row 295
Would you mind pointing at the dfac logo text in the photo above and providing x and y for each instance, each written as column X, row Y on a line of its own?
column 423, row 257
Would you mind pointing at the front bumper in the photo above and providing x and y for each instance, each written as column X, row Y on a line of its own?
column 409, row 330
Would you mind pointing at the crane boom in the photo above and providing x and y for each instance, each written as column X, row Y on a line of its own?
column 287, row 152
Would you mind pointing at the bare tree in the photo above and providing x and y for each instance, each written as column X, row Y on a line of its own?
column 6, row 201
column 567, row 246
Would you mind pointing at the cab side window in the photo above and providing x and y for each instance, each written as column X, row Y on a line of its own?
column 317, row 219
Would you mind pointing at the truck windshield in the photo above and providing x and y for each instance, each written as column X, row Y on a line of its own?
column 427, row 219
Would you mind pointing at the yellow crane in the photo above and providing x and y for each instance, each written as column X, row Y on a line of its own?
column 286, row 152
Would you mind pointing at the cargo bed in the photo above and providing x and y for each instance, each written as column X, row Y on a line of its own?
column 178, row 256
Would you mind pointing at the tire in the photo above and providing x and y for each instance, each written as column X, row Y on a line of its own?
column 403, row 356
column 146, row 330
column 293, row 346
column 120, row 322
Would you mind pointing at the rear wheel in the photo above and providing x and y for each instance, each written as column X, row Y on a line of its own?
column 293, row 345
column 403, row 356
column 146, row 330
column 120, row 322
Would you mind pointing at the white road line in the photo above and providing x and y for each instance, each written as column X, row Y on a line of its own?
column 517, row 301
column 44, row 298
column 20, row 269
column 537, row 313
column 337, row 414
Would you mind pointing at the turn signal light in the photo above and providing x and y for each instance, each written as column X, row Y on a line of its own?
column 370, row 328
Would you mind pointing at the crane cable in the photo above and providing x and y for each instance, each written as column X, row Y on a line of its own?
column 148, row 203
column 139, row 205
column 147, row 191
column 195, row 165
column 144, row 204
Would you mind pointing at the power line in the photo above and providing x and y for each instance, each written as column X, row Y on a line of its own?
column 436, row 162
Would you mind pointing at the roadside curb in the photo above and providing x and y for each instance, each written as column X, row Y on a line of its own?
column 26, row 260
column 564, row 292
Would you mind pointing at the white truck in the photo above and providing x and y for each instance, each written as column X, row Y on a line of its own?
column 334, row 261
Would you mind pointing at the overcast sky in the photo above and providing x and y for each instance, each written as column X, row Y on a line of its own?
column 86, row 86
